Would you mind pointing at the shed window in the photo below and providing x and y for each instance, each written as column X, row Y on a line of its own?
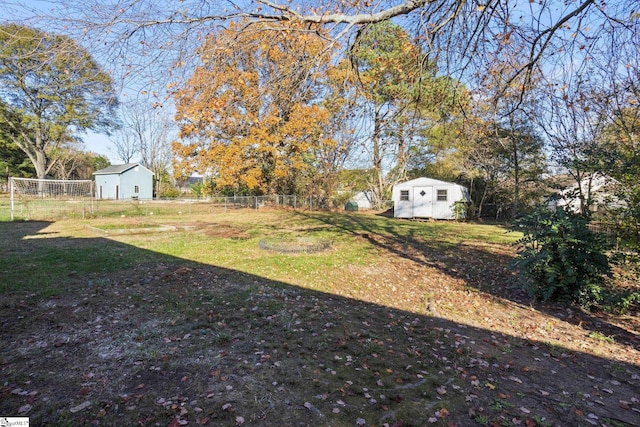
column 136, row 189
column 404, row 195
column 442, row 195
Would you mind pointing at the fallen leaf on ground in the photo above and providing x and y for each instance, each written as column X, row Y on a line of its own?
column 80, row 407
column 442, row 413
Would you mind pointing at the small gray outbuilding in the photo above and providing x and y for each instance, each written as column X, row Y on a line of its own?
column 428, row 198
column 120, row 182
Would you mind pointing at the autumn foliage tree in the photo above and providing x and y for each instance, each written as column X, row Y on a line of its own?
column 250, row 114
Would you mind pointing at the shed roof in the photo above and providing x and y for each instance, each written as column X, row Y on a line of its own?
column 423, row 181
column 117, row 169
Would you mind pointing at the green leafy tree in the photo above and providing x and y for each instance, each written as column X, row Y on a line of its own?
column 436, row 155
column 73, row 163
column 13, row 161
column 355, row 179
column 51, row 88
column 399, row 93
column 618, row 156
column 507, row 159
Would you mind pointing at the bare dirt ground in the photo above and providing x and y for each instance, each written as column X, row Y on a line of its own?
column 418, row 338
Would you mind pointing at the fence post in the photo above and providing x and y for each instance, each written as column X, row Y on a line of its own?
column 11, row 193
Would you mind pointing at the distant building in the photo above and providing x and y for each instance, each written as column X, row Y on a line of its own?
column 363, row 199
column 598, row 188
column 194, row 180
column 121, row 182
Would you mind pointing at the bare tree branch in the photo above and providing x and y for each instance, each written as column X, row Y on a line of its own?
column 355, row 19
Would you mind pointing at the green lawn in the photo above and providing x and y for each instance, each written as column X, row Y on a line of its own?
column 78, row 250
column 5, row 208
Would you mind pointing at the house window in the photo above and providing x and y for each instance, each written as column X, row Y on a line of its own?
column 442, row 195
column 404, row 195
column 136, row 189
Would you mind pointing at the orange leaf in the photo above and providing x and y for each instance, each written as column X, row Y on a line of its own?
column 442, row 413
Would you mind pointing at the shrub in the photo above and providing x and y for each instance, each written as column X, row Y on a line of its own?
column 460, row 210
column 561, row 258
column 169, row 191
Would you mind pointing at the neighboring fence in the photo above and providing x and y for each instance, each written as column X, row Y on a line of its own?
column 190, row 206
column 609, row 231
column 49, row 209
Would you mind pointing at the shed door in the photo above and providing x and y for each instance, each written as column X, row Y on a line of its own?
column 423, row 202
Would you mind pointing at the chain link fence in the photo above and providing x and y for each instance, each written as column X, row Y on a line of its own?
column 610, row 232
column 40, row 209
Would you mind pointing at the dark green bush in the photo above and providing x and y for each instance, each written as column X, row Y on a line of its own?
column 561, row 258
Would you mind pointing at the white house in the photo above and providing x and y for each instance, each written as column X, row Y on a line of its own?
column 427, row 198
column 363, row 199
column 120, row 182
column 597, row 187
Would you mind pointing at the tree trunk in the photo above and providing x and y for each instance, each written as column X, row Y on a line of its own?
column 482, row 199
column 40, row 164
column 402, row 161
column 377, row 156
column 516, row 178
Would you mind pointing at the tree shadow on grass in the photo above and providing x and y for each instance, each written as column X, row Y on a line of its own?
column 148, row 339
column 479, row 267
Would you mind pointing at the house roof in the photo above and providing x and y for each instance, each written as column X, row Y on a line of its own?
column 195, row 180
column 117, row 169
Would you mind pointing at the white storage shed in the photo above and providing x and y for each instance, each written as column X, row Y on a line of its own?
column 427, row 198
